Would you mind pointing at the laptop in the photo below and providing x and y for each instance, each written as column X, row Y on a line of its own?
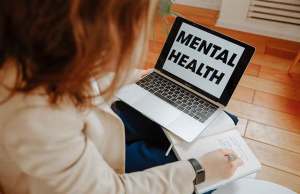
column 194, row 78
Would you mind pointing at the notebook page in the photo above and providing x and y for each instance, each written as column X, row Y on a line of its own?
column 230, row 140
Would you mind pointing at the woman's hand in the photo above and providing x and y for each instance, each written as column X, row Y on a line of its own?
column 143, row 72
column 218, row 166
column 137, row 74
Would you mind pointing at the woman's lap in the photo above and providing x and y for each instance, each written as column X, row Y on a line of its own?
column 146, row 143
column 141, row 156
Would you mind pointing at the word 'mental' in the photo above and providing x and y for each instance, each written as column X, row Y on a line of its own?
column 212, row 50
column 200, row 69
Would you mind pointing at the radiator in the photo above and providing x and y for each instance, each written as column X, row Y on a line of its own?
column 279, row 11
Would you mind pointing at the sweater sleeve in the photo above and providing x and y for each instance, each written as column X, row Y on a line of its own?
column 50, row 145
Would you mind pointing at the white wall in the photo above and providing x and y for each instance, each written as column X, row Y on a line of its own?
column 209, row 4
column 233, row 14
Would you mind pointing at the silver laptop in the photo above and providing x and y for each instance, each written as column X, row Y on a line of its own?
column 193, row 80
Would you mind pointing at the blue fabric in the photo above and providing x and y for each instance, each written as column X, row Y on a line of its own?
column 146, row 143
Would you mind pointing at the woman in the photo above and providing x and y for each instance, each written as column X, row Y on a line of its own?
column 58, row 135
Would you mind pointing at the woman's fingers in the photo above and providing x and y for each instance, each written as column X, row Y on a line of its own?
column 226, row 151
column 146, row 71
column 232, row 157
column 221, row 163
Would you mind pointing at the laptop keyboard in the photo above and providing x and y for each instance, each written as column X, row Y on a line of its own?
column 177, row 96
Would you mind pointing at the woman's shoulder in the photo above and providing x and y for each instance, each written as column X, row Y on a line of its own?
column 33, row 115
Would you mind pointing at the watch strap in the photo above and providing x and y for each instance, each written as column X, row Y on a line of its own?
column 199, row 171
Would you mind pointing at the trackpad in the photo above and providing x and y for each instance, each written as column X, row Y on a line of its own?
column 157, row 110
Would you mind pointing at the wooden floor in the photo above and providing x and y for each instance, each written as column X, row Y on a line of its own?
column 267, row 99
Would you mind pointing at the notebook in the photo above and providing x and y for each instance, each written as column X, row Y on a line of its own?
column 230, row 140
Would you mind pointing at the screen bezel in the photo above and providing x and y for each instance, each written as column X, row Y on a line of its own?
column 236, row 75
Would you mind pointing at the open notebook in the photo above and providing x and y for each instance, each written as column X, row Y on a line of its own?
column 229, row 139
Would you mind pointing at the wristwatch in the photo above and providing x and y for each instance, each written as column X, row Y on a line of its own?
column 199, row 170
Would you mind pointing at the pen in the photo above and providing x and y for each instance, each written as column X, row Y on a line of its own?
column 169, row 150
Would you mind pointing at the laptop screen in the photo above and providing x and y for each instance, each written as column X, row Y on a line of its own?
column 204, row 59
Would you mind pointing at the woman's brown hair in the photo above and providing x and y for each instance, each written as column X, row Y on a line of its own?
column 60, row 45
